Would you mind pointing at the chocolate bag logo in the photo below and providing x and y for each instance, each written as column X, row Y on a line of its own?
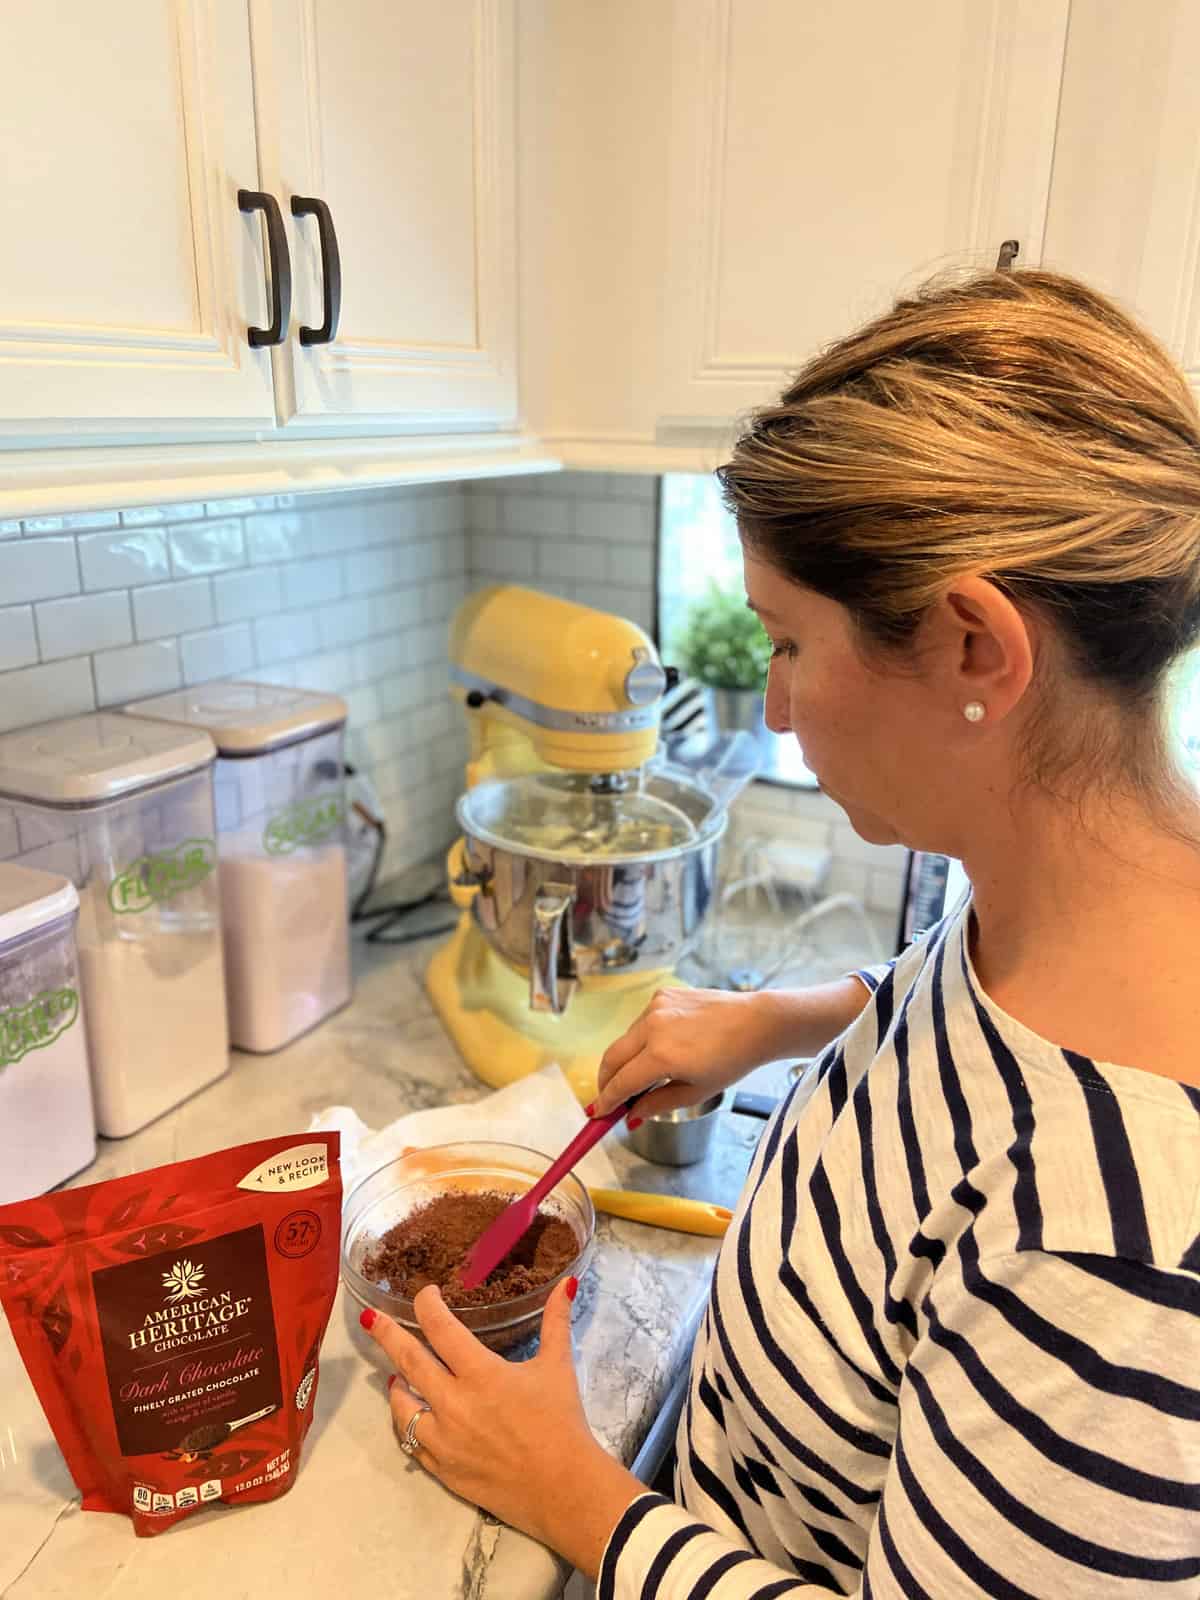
column 36, row 1024
column 183, row 1281
column 161, row 877
column 307, row 822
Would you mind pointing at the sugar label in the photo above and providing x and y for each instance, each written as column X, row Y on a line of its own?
column 308, row 822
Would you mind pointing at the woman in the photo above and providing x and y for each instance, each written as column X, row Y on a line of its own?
column 953, row 1344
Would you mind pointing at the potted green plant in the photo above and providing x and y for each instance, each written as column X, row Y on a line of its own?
column 723, row 646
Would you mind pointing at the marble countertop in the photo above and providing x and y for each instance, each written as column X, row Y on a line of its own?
column 360, row 1516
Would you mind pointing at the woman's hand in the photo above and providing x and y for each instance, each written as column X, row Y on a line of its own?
column 511, row 1437
column 701, row 1039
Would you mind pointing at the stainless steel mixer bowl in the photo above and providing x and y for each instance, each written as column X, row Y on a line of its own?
column 561, row 914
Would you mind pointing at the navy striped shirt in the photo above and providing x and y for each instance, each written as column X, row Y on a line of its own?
column 953, row 1342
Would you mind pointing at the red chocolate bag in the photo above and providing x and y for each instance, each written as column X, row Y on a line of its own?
column 171, row 1322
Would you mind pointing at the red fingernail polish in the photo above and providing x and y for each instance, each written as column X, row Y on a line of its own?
column 369, row 1317
column 635, row 1122
column 589, row 1110
column 572, row 1288
column 391, row 1381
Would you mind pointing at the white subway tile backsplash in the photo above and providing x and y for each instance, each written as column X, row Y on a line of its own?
column 18, row 641
column 574, row 560
column 631, row 566
column 285, row 677
column 482, row 510
column 384, row 655
column 137, row 671
column 616, row 522
column 38, row 570
column 396, row 608
column 181, row 511
column 71, row 522
column 124, row 559
column 311, row 583
column 526, row 513
column 400, row 691
column 503, row 556
column 277, row 536
column 336, row 530
column 425, row 645
column 446, row 512
column 404, row 517
column 631, row 485
column 285, row 637
column 198, row 547
column 171, row 608
column 238, row 507
column 332, row 672
column 363, row 705
column 83, row 624
column 442, row 599
column 253, row 592
column 344, row 623
column 219, row 653
column 364, row 572
column 38, row 694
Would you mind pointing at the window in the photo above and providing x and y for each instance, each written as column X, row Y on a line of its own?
column 1185, row 712
column 698, row 545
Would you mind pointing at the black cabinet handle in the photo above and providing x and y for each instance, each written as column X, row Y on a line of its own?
column 281, row 267
column 331, row 269
column 1009, row 251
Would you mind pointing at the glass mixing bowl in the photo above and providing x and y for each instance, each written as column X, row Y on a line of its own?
column 391, row 1193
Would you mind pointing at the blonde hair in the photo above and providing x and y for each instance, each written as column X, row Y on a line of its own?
column 1015, row 425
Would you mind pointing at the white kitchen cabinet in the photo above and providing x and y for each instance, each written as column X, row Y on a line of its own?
column 822, row 157
column 1124, row 209
column 400, row 117
column 130, row 276
column 128, row 273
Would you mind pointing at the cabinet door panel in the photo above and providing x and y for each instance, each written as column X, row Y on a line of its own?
column 1125, row 199
column 823, row 157
column 127, row 285
column 400, row 117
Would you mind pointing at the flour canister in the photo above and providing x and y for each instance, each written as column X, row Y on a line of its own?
column 124, row 810
column 281, row 844
column 47, row 1129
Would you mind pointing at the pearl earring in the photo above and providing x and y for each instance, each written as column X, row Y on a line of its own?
column 974, row 711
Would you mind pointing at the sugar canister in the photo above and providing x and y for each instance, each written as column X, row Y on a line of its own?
column 47, row 1129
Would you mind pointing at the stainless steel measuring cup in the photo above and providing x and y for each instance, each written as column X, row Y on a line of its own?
column 679, row 1138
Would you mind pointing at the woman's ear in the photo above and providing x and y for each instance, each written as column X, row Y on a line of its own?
column 992, row 646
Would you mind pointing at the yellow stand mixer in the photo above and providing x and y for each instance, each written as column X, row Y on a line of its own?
column 584, row 870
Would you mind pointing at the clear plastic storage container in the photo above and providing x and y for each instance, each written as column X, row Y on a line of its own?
column 124, row 809
column 281, row 823
column 47, row 1130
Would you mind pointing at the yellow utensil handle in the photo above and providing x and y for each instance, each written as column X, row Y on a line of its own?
column 663, row 1211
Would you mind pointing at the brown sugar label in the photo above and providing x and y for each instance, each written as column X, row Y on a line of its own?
column 189, row 1344
column 36, row 1024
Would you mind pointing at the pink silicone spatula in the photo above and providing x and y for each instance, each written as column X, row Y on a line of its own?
column 499, row 1237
